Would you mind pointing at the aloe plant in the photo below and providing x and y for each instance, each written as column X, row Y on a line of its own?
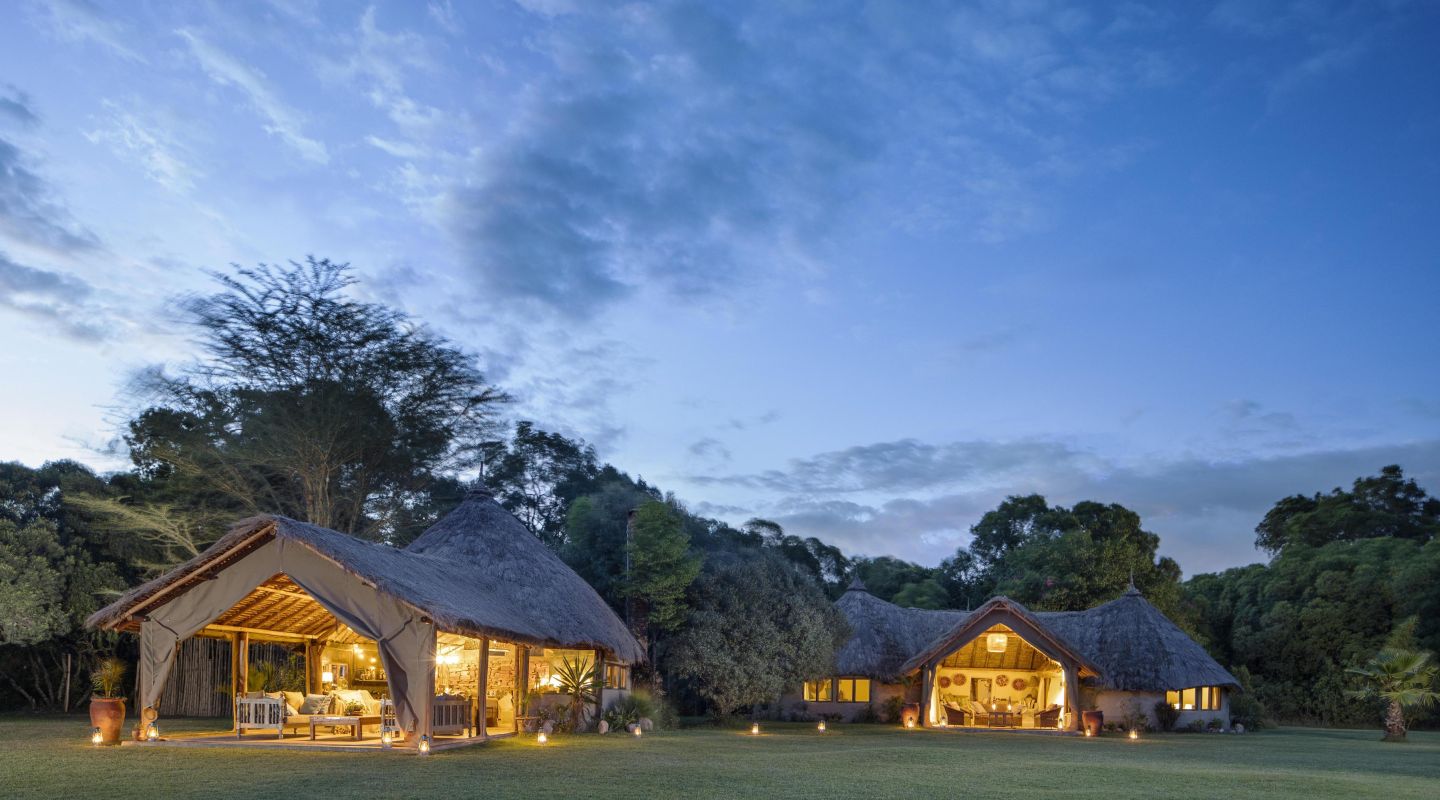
column 578, row 679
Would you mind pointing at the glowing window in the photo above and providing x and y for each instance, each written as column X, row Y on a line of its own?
column 853, row 690
column 996, row 642
column 817, row 691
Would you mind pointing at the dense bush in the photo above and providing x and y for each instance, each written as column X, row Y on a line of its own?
column 1166, row 715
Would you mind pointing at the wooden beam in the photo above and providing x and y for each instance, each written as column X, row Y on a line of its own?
column 259, row 632
column 272, row 590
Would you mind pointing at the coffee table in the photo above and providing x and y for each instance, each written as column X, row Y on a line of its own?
column 1003, row 719
column 355, row 724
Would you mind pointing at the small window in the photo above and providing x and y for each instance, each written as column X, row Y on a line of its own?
column 617, row 676
column 1210, row 698
column 1173, row 698
column 853, row 690
column 817, row 691
column 1187, row 700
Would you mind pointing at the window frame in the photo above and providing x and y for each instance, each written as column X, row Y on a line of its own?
column 855, row 682
column 811, row 691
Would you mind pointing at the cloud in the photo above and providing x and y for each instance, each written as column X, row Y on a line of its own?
column 443, row 12
column 281, row 120
column 29, row 211
column 1205, row 511
column 52, row 297
column 15, row 106
column 397, row 149
column 158, row 153
column 910, row 465
column 709, row 448
column 696, row 150
column 80, row 21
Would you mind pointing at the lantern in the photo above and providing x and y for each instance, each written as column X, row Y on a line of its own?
column 424, row 745
column 386, row 739
column 542, row 738
column 1134, row 734
column 821, row 726
column 95, row 738
column 755, row 729
column 152, row 733
column 1088, row 732
column 638, row 731
column 910, row 723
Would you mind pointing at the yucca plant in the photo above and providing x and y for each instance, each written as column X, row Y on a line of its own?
column 1401, row 679
column 108, row 678
column 579, row 680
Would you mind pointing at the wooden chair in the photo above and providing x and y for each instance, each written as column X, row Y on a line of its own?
column 954, row 715
column 449, row 715
column 1049, row 718
column 979, row 714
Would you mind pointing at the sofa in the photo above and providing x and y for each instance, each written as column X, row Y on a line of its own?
column 283, row 711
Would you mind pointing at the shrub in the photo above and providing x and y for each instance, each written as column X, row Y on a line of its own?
column 1195, row 726
column 637, row 704
column 1213, row 725
column 1166, row 715
column 1246, row 709
column 867, row 715
column 1135, row 718
column 892, row 707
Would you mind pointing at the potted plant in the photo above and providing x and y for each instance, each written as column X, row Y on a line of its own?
column 1092, row 718
column 107, row 704
column 354, row 708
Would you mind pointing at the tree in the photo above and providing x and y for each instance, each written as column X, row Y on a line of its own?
column 1401, row 679
column 539, row 475
column 1384, row 505
column 661, row 567
column 757, row 627
column 595, row 537
column 311, row 404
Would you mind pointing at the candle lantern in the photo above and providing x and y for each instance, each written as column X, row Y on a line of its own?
column 152, row 733
column 821, row 726
column 425, row 745
column 755, row 729
column 96, row 738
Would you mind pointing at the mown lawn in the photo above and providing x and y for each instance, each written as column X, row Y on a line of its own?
column 49, row 757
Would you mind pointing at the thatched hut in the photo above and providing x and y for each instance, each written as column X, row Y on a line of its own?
column 1003, row 665
column 461, row 631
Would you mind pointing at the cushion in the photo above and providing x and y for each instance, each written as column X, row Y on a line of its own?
column 294, row 699
column 316, row 704
column 291, row 711
column 344, row 696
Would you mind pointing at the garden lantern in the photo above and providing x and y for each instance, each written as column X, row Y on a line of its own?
column 386, row 739
column 821, row 726
column 424, row 745
column 755, row 729
column 638, row 731
column 1134, row 734
column 542, row 738
column 152, row 733
column 95, row 737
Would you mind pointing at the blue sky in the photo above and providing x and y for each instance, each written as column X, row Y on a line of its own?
column 863, row 268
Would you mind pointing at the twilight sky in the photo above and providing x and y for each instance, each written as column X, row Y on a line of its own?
column 862, row 268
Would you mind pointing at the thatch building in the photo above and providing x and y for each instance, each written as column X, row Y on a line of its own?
column 1004, row 665
column 463, row 630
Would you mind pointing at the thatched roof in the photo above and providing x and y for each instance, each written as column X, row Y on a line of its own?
column 478, row 572
column 1127, row 641
column 1014, row 616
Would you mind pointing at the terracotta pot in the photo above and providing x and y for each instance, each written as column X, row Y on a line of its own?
column 108, row 714
column 1092, row 721
column 910, row 715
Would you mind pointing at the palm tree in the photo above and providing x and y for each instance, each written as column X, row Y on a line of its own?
column 1402, row 679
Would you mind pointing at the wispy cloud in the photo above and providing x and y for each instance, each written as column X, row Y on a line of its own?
column 152, row 146
column 54, row 298
column 81, row 21
column 30, row 212
column 281, row 119
column 15, row 106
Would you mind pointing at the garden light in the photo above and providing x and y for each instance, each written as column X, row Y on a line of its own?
column 152, row 733
column 542, row 738
column 95, row 737
column 1134, row 734
column 755, row 729
column 821, row 726
column 424, row 745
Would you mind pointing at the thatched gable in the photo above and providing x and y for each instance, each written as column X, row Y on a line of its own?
column 1127, row 641
column 1016, row 617
column 478, row 572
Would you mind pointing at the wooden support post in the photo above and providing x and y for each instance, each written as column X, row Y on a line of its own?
column 599, row 684
column 522, row 682
column 1072, row 697
column 482, row 689
column 927, row 673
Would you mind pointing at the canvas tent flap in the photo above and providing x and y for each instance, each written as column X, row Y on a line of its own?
column 406, row 640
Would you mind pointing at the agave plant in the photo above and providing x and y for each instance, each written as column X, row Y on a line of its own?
column 108, row 678
column 579, row 680
column 1401, row 679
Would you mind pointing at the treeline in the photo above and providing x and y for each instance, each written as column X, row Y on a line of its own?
column 310, row 404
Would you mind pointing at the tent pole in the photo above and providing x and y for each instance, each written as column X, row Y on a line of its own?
column 483, row 686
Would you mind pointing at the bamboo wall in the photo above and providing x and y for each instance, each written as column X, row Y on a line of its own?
column 199, row 686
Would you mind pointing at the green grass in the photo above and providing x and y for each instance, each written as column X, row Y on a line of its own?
column 50, row 757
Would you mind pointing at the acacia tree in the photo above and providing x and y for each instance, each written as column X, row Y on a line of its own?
column 310, row 403
column 661, row 568
column 1401, row 679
